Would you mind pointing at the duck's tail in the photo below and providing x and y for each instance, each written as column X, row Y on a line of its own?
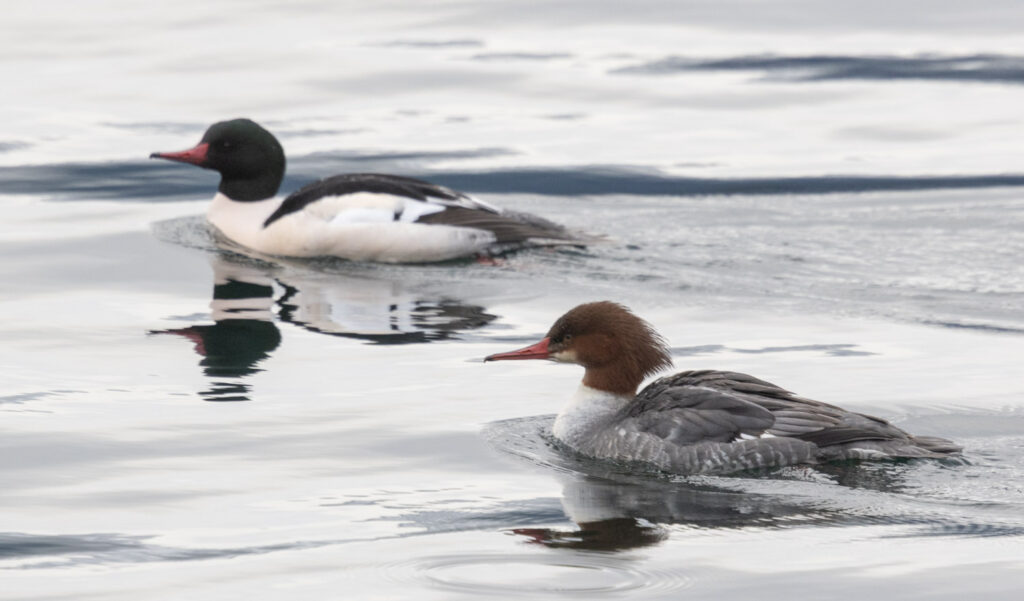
column 936, row 445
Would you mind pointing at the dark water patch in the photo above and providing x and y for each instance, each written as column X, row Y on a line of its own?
column 593, row 181
column 565, row 116
column 170, row 127
column 140, row 180
column 961, row 530
column 414, row 80
column 693, row 351
column 419, row 157
column 69, row 550
column 18, row 399
column 981, row 327
column 832, row 350
column 123, row 180
column 151, row 180
column 308, row 132
column 17, row 544
column 893, row 134
column 12, row 145
column 737, row 18
column 978, row 68
column 453, row 43
column 520, row 56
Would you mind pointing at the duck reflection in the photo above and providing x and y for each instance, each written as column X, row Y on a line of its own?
column 251, row 297
column 615, row 515
column 243, row 333
column 614, row 512
column 616, row 507
column 376, row 311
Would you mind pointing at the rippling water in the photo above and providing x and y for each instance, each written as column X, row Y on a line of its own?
column 828, row 196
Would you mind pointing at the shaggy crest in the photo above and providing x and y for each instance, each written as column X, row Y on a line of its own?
column 618, row 348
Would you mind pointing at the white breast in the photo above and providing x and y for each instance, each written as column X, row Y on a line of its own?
column 241, row 221
column 588, row 411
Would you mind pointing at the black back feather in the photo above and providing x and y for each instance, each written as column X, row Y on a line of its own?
column 353, row 183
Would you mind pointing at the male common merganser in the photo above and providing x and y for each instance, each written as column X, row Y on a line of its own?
column 359, row 216
column 697, row 422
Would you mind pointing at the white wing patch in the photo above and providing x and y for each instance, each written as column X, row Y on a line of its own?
column 363, row 207
column 371, row 207
column 474, row 203
column 746, row 436
column 363, row 215
column 414, row 209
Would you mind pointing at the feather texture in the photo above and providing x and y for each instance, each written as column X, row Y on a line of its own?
column 718, row 406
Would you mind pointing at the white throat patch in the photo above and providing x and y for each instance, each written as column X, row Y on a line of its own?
column 588, row 408
column 566, row 356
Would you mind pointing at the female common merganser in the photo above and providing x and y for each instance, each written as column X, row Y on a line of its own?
column 696, row 422
column 359, row 216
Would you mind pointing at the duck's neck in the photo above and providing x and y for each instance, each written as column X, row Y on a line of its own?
column 263, row 186
column 588, row 411
column 240, row 221
column 621, row 378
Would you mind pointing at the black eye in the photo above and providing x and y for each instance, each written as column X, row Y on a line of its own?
column 567, row 338
column 225, row 144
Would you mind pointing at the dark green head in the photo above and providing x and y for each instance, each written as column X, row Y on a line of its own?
column 249, row 158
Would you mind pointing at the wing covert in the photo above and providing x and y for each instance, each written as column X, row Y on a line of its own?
column 687, row 414
column 375, row 183
column 722, row 406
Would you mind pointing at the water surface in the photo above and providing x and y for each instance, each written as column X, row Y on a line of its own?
column 828, row 197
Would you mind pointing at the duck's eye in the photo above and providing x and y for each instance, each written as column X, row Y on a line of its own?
column 225, row 144
column 561, row 338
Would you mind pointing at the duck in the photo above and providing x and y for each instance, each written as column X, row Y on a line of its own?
column 357, row 216
column 697, row 422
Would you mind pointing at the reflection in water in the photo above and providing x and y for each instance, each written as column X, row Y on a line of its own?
column 614, row 513
column 612, row 534
column 974, row 68
column 620, row 506
column 243, row 333
column 246, row 294
column 377, row 311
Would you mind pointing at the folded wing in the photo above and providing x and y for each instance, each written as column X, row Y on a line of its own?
column 377, row 198
column 721, row 406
